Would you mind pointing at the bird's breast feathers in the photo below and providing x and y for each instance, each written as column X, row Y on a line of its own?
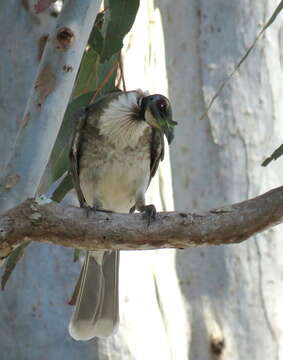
column 118, row 158
column 116, row 182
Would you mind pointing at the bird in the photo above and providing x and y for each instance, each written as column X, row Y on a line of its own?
column 115, row 151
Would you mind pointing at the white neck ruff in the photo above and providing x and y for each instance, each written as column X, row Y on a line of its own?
column 118, row 121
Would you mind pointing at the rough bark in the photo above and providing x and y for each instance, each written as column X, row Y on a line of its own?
column 78, row 228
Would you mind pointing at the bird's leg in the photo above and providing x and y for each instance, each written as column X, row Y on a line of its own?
column 88, row 208
column 132, row 209
column 94, row 208
column 149, row 211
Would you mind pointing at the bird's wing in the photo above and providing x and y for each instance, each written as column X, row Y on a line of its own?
column 74, row 153
column 91, row 112
column 156, row 152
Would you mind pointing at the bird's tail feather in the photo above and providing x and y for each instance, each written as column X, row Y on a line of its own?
column 97, row 309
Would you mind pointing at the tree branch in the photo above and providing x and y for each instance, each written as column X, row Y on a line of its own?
column 73, row 227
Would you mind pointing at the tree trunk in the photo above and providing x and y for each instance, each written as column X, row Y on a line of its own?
column 151, row 323
column 34, row 312
column 233, row 293
column 21, row 29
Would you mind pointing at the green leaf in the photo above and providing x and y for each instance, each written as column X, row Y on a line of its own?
column 58, row 162
column 96, row 40
column 274, row 15
column 11, row 263
column 106, row 69
column 63, row 188
column 99, row 21
column 236, row 68
column 122, row 16
column 274, row 156
column 73, row 299
column 76, row 255
column 92, row 75
column 87, row 77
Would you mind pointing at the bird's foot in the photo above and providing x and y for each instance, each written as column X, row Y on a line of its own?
column 149, row 212
column 94, row 209
column 89, row 210
column 132, row 209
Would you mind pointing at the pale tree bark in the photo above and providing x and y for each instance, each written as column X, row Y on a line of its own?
column 47, row 102
column 22, row 29
column 34, row 318
column 233, row 293
column 152, row 323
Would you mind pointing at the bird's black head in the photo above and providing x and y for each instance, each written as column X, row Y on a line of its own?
column 156, row 111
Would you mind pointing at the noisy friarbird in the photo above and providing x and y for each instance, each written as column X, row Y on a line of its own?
column 116, row 149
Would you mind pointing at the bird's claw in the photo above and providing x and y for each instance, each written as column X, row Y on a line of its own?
column 94, row 209
column 89, row 209
column 149, row 213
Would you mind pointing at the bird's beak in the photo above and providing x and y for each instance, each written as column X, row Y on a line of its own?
column 164, row 123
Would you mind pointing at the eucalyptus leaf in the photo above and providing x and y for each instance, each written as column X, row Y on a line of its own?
column 99, row 21
column 87, row 78
column 93, row 76
column 11, row 263
column 76, row 255
column 96, row 40
column 58, row 162
column 274, row 15
column 274, row 156
column 63, row 188
column 106, row 75
column 122, row 17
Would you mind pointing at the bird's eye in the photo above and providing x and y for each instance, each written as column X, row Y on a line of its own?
column 162, row 105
